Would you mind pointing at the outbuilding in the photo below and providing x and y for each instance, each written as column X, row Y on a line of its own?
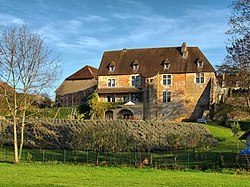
column 246, row 136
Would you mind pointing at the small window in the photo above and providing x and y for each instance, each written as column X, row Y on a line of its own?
column 135, row 66
column 111, row 82
column 166, row 79
column 111, row 68
column 199, row 78
column 166, row 97
column 200, row 64
column 136, row 80
column 166, row 65
column 135, row 97
column 110, row 98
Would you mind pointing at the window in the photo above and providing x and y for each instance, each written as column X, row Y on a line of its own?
column 166, row 79
column 135, row 66
column 199, row 78
column 166, row 65
column 110, row 98
column 135, row 97
column 111, row 82
column 136, row 80
column 200, row 64
column 166, row 97
column 111, row 68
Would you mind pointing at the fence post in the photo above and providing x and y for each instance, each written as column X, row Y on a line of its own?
column 43, row 155
column 188, row 160
column 64, row 156
column 87, row 157
column 6, row 154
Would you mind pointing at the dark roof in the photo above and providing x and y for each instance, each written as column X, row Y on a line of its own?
column 151, row 61
column 233, row 80
column 87, row 72
column 245, row 135
column 118, row 90
column 5, row 86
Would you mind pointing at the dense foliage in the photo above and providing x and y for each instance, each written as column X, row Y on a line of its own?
column 111, row 135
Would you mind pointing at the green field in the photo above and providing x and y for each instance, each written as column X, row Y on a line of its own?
column 77, row 175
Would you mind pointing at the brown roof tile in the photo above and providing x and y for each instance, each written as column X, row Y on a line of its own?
column 87, row 72
column 151, row 60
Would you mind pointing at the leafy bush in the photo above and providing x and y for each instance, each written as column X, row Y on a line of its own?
column 117, row 135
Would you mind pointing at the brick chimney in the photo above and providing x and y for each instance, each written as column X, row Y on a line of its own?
column 184, row 51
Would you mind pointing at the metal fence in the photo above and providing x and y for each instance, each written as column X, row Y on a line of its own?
column 160, row 160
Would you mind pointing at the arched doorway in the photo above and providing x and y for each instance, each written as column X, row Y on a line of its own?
column 109, row 114
column 125, row 114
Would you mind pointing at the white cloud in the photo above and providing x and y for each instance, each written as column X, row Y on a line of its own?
column 201, row 26
column 90, row 42
column 93, row 18
column 6, row 19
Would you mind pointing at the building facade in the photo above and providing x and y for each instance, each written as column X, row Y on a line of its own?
column 172, row 83
column 76, row 88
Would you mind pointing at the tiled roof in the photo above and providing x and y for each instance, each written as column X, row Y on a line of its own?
column 87, row 72
column 151, row 61
column 5, row 86
column 118, row 90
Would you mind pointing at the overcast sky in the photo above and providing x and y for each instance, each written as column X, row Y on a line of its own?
column 81, row 30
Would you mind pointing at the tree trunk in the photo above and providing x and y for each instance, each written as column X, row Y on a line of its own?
column 97, row 158
column 22, row 132
column 92, row 115
column 16, row 158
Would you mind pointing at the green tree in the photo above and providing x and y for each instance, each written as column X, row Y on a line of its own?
column 28, row 67
column 97, row 108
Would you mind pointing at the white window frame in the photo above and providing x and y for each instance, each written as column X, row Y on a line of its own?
column 111, row 98
column 111, row 68
column 166, row 97
column 111, row 82
column 166, row 65
column 135, row 67
column 200, row 64
column 167, row 79
column 200, row 78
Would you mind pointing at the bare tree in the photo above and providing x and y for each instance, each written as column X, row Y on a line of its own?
column 237, row 61
column 27, row 65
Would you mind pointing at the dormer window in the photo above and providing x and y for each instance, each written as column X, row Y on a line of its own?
column 200, row 64
column 135, row 65
column 166, row 65
column 111, row 66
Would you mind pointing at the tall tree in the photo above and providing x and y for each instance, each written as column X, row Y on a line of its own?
column 237, row 61
column 27, row 65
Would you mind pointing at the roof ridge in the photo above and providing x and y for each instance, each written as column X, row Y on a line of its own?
column 90, row 69
column 148, row 48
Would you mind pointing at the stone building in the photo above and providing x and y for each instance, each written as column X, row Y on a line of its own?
column 171, row 83
column 76, row 88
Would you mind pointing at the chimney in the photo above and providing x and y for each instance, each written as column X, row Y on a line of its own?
column 184, row 51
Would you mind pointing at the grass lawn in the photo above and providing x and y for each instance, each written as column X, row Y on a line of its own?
column 76, row 175
column 227, row 142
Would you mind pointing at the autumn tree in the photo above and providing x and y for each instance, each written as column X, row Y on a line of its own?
column 237, row 61
column 28, row 67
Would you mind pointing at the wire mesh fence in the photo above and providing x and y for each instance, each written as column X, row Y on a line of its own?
column 160, row 160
